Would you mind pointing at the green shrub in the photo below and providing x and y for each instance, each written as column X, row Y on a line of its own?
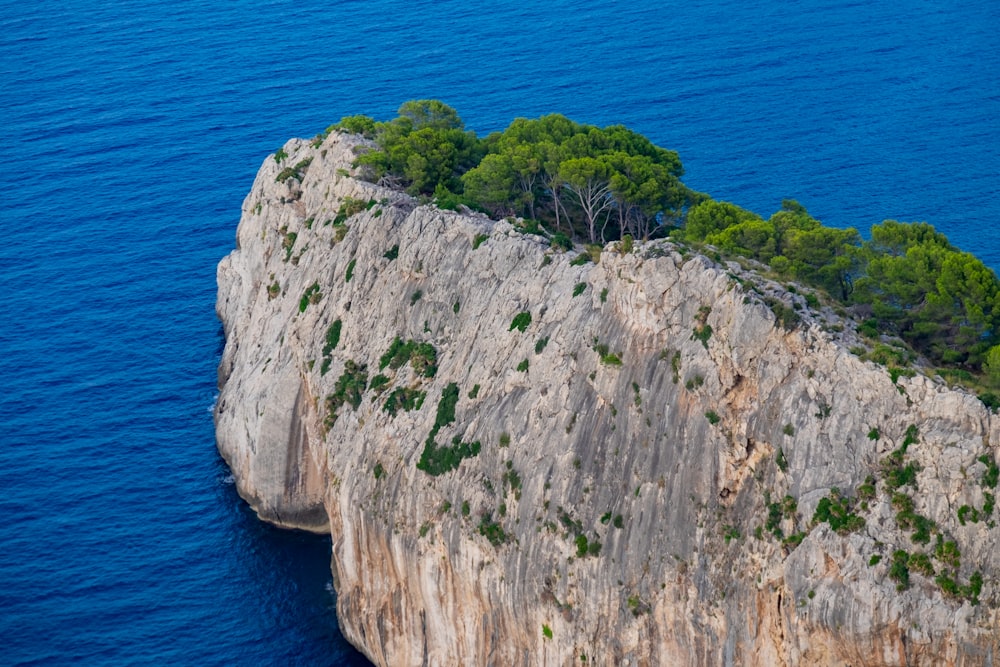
column 280, row 155
column 378, row 471
column 561, row 241
column 332, row 337
column 475, row 392
column 781, row 461
column 478, row 240
column 546, row 631
column 403, row 398
column 947, row 552
column 837, row 510
column 866, row 491
column 416, row 296
column 579, row 288
column 287, row 243
column 523, row 366
column 992, row 475
column 581, row 546
column 636, row 605
column 702, row 333
column 580, row 259
column 899, row 570
column 392, row 253
column 713, row 417
column 786, row 317
column 397, row 354
column 491, row 530
column 348, row 390
column 896, row 474
column 966, row 513
column 350, row 270
column 611, row 359
column 379, row 383
column 788, row 429
column 920, row 562
column 540, row 345
column 446, row 407
column 896, row 372
column 350, row 207
column 422, row 357
column 974, row 588
column 604, row 295
column 293, row 172
column 311, row 295
column 869, row 328
column 874, row 434
column 436, row 459
column 520, row 321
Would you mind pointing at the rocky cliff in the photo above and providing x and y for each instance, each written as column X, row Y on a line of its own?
column 530, row 457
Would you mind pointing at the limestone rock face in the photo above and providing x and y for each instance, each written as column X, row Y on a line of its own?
column 652, row 447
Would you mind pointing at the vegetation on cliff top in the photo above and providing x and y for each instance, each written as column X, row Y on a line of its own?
column 574, row 181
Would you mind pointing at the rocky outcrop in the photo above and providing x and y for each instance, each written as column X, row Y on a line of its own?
column 629, row 476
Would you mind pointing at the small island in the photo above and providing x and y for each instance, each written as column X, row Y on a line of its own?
column 553, row 406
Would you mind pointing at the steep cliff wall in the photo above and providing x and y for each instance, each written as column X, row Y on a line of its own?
column 642, row 462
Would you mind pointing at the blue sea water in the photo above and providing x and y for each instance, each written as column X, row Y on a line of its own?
column 132, row 132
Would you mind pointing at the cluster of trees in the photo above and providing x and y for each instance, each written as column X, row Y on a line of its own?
column 583, row 181
column 908, row 277
column 600, row 184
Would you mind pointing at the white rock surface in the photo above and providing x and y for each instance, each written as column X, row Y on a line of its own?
column 418, row 584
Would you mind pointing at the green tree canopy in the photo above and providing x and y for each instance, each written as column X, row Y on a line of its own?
column 943, row 301
column 425, row 147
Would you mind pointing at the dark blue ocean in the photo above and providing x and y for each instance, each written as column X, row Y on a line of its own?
column 132, row 131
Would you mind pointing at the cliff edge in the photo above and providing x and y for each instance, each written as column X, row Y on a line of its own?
column 529, row 457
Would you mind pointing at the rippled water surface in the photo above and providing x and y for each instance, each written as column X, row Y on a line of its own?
column 132, row 131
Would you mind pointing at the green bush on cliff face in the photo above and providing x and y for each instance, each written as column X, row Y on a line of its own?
column 349, row 389
column 492, row 530
column 436, row 459
column 332, row 337
column 520, row 321
column 311, row 295
column 837, row 510
column 295, row 172
column 403, row 398
column 350, row 207
column 332, row 340
column 422, row 357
